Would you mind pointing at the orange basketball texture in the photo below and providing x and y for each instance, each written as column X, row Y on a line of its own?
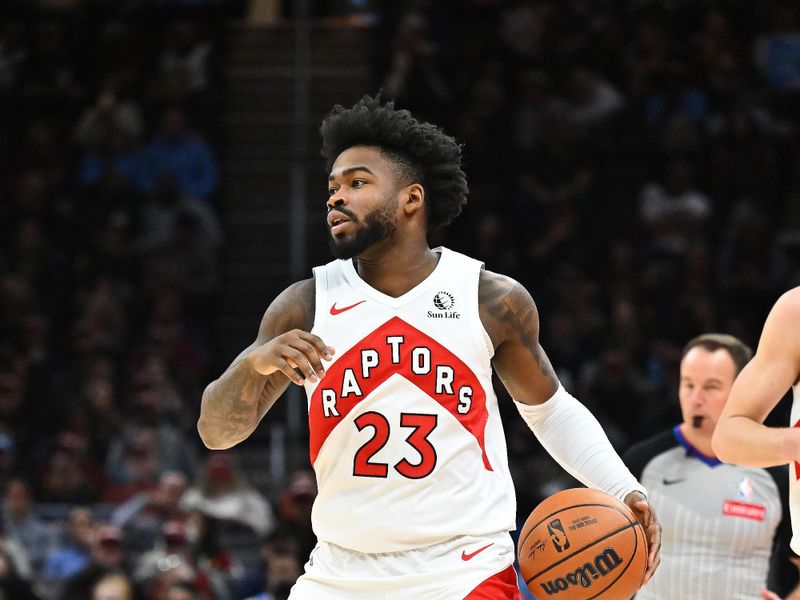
column 581, row 543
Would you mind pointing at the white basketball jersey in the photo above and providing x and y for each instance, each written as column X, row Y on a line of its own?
column 794, row 476
column 405, row 434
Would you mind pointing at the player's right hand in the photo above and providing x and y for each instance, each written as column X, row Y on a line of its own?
column 296, row 353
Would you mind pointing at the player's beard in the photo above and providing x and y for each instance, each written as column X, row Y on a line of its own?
column 376, row 227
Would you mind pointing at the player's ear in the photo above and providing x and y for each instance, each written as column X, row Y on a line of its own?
column 413, row 198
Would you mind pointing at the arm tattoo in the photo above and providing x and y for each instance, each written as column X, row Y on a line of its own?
column 230, row 405
column 512, row 312
column 233, row 405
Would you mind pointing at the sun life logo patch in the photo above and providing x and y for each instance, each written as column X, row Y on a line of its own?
column 444, row 302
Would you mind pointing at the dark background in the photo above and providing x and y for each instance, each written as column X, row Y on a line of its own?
column 636, row 165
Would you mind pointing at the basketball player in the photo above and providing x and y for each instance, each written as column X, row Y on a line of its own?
column 741, row 436
column 395, row 344
column 726, row 527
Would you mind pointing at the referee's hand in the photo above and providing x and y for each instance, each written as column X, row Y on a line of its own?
column 637, row 502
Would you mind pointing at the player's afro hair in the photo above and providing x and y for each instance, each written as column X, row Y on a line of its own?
column 423, row 152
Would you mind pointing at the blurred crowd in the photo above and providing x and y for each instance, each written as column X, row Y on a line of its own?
column 635, row 164
column 111, row 236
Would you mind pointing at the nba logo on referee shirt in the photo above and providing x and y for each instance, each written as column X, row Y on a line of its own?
column 746, row 489
column 556, row 532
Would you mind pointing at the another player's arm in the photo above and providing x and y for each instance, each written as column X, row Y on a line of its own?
column 233, row 405
column 740, row 436
column 564, row 426
column 795, row 593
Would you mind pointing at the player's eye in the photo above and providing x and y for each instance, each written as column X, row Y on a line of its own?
column 331, row 191
column 357, row 183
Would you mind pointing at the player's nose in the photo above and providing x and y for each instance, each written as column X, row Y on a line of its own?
column 335, row 200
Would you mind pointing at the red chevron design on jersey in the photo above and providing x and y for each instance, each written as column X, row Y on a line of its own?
column 474, row 421
column 796, row 464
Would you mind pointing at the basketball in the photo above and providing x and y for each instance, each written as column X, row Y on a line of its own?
column 582, row 543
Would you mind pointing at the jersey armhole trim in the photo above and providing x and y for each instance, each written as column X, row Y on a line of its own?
column 320, row 297
column 482, row 339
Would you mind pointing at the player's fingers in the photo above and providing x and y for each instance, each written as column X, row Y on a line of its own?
column 289, row 370
column 651, row 569
column 311, row 354
column 298, row 359
column 323, row 349
column 653, row 532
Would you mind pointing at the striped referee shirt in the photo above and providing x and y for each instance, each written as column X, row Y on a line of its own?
column 726, row 528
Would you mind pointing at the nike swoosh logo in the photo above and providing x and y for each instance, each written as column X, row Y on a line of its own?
column 337, row 311
column 471, row 555
column 666, row 481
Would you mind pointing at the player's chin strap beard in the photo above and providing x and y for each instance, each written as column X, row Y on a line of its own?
column 697, row 422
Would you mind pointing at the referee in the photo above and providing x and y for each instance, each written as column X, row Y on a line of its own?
column 726, row 528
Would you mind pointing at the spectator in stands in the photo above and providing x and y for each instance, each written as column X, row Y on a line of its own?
column 173, row 560
column 112, row 587
column 7, row 458
column 777, row 53
column 70, row 474
column 73, row 553
column 187, row 53
column 13, row 55
column 280, row 567
column 177, row 150
column 108, row 559
column 163, row 207
column 117, row 155
column 21, row 525
column 591, row 100
column 152, row 441
column 132, row 463
column 111, row 114
column 100, row 409
column 15, row 571
column 294, row 508
column 416, row 75
column 185, row 72
column 215, row 551
column 187, row 257
column 182, row 590
column 49, row 74
column 143, row 516
column 751, row 264
column 675, row 211
column 223, row 493
column 172, row 541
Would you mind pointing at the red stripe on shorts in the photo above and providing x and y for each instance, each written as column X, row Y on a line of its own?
column 501, row 586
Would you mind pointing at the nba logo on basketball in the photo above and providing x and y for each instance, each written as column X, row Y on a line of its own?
column 556, row 532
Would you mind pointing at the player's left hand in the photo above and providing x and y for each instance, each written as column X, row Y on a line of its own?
column 637, row 502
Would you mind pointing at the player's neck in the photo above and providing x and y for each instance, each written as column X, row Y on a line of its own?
column 396, row 270
column 698, row 440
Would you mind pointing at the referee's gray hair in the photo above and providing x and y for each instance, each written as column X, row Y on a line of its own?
column 740, row 352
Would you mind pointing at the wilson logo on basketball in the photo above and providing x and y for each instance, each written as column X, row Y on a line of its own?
column 585, row 576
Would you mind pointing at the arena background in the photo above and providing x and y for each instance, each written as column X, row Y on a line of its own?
column 635, row 164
